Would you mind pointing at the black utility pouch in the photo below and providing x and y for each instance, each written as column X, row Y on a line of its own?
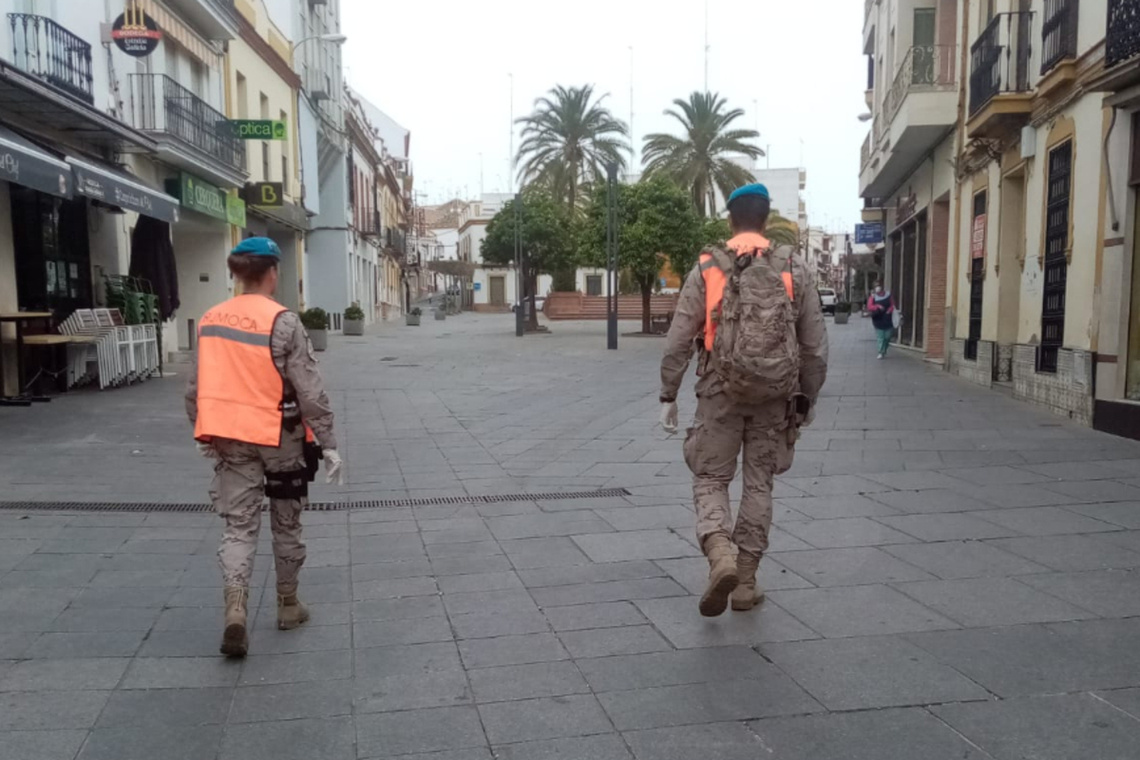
column 313, row 455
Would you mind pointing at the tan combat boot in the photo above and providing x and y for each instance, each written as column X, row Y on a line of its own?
column 290, row 612
column 723, row 575
column 747, row 595
column 235, row 638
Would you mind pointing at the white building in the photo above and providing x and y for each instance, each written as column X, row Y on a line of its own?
column 785, row 186
column 494, row 287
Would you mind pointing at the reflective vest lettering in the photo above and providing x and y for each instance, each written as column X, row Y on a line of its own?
column 239, row 388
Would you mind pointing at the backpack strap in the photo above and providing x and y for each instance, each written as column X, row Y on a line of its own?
column 787, row 254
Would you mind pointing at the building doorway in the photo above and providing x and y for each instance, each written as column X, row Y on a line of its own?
column 1056, row 256
column 53, row 260
column 499, row 291
column 1132, row 383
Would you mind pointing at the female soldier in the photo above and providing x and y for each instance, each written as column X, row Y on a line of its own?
column 256, row 400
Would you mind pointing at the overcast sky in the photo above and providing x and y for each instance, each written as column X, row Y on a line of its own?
column 441, row 68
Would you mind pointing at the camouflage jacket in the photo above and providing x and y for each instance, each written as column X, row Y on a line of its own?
column 293, row 355
column 686, row 336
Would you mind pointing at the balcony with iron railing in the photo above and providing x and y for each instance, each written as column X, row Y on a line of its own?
column 395, row 240
column 917, row 112
column 368, row 224
column 925, row 68
column 189, row 126
column 1058, row 33
column 1122, row 32
column 49, row 52
column 1000, row 97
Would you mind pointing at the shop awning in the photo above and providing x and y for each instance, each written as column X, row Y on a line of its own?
column 24, row 163
column 109, row 186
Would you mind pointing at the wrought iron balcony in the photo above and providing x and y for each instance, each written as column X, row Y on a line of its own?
column 46, row 50
column 1122, row 34
column 1058, row 33
column 865, row 156
column 925, row 67
column 999, row 59
column 396, row 240
column 159, row 104
column 368, row 225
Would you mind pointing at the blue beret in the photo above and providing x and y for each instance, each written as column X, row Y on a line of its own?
column 753, row 189
column 258, row 246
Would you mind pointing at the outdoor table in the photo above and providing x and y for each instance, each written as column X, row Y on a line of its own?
column 20, row 319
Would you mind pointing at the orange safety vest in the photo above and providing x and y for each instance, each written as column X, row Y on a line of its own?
column 745, row 244
column 240, row 391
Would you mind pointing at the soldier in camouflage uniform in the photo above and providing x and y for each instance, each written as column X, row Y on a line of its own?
column 721, row 427
column 255, row 396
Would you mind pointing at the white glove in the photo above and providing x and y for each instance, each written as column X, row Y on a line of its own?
column 207, row 450
column 333, row 467
column 669, row 417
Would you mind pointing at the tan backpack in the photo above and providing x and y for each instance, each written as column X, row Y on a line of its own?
column 756, row 351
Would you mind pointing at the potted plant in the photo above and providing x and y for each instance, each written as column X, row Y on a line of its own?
column 354, row 320
column 413, row 316
column 441, row 312
column 842, row 313
column 316, row 322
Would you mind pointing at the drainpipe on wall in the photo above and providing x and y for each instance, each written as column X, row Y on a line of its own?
column 955, row 218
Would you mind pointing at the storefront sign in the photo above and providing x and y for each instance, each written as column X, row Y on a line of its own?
column 106, row 185
column 869, row 234
column 245, row 129
column 134, row 32
column 22, row 163
column 265, row 194
column 907, row 206
column 198, row 195
column 978, row 241
column 235, row 211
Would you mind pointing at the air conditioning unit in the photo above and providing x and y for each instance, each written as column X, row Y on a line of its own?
column 1028, row 142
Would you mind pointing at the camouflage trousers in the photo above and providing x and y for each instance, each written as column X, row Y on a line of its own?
column 238, row 492
column 712, row 447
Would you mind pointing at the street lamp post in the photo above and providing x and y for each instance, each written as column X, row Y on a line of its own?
column 520, row 324
column 336, row 39
column 611, row 258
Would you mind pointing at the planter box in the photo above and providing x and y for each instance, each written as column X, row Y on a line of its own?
column 841, row 318
column 413, row 320
column 319, row 339
column 354, row 327
column 440, row 315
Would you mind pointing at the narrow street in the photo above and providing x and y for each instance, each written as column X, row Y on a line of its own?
column 511, row 572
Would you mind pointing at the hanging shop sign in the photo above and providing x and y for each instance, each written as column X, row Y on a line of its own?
column 260, row 129
column 265, row 194
column 978, row 241
column 870, row 233
column 134, row 32
column 199, row 195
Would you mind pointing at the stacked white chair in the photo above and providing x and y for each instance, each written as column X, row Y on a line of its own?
column 123, row 353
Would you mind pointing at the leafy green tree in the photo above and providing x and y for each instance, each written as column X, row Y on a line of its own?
column 657, row 225
column 548, row 241
column 699, row 159
column 567, row 142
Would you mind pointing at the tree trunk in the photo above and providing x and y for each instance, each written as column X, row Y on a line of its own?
column 646, row 306
column 532, row 288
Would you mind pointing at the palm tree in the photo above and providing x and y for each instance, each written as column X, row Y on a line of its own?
column 781, row 231
column 567, row 142
column 699, row 160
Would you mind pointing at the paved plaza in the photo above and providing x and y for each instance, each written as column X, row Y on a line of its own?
column 952, row 575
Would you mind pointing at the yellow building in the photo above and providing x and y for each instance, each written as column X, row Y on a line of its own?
column 262, row 86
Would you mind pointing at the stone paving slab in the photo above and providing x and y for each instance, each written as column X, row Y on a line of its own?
column 952, row 575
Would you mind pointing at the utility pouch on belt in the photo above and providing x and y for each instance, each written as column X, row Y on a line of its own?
column 313, row 455
column 799, row 406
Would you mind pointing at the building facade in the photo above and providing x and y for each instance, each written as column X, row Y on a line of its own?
column 1015, row 123
column 906, row 177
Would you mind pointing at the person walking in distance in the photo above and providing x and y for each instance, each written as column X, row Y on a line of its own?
column 259, row 406
column 753, row 313
column 881, row 304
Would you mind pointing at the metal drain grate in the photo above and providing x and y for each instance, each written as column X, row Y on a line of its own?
column 320, row 506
